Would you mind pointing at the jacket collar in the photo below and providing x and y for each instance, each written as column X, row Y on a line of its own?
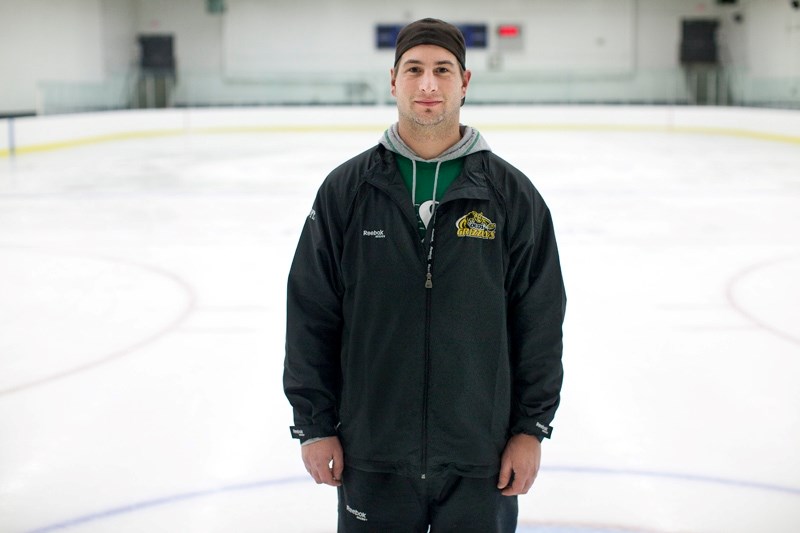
column 472, row 183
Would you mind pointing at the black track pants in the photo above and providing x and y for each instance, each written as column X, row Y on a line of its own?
column 388, row 503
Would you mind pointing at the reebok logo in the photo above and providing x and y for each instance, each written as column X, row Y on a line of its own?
column 358, row 514
column 376, row 233
column 544, row 428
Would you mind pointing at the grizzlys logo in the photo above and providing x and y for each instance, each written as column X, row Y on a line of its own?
column 475, row 225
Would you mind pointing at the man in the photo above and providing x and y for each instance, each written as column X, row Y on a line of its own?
column 425, row 304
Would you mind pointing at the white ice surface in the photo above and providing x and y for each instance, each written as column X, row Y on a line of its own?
column 142, row 315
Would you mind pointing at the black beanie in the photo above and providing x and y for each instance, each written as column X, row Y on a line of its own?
column 431, row 31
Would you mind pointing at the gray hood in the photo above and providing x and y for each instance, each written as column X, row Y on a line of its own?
column 471, row 142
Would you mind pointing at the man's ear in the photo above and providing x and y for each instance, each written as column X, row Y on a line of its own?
column 392, row 81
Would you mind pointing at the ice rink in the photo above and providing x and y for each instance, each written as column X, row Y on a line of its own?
column 142, row 294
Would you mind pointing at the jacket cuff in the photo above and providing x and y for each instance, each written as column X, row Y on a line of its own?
column 536, row 428
column 305, row 433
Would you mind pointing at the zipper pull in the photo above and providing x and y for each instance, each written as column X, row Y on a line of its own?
column 428, row 280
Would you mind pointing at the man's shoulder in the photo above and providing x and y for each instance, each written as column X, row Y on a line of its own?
column 504, row 175
column 359, row 165
column 345, row 179
column 498, row 164
column 513, row 185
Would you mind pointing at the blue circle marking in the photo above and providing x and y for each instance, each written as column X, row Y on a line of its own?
column 167, row 500
column 753, row 485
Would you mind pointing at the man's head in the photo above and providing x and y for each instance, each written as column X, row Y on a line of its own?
column 429, row 79
column 431, row 31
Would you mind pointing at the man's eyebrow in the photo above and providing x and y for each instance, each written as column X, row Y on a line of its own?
column 420, row 62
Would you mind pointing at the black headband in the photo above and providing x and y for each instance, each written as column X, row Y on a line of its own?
column 431, row 31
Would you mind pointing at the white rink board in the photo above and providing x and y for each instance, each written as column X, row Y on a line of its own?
column 48, row 132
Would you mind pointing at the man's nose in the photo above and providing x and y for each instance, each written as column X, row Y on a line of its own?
column 428, row 82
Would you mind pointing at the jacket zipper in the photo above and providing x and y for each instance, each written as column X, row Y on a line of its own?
column 426, row 384
column 428, row 261
column 428, row 287
column 426, row 380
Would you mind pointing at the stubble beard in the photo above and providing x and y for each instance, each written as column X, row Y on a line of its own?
column 425, row 119
column 428, row 118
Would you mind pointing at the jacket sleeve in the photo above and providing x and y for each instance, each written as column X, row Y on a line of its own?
column 537, row 303
column 312, row 371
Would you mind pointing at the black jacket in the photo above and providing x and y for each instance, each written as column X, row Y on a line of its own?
column 419, row 378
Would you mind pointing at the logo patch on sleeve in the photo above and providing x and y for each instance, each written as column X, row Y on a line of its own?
column 475, row 225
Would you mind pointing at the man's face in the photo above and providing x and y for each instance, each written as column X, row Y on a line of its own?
column 429, row 85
